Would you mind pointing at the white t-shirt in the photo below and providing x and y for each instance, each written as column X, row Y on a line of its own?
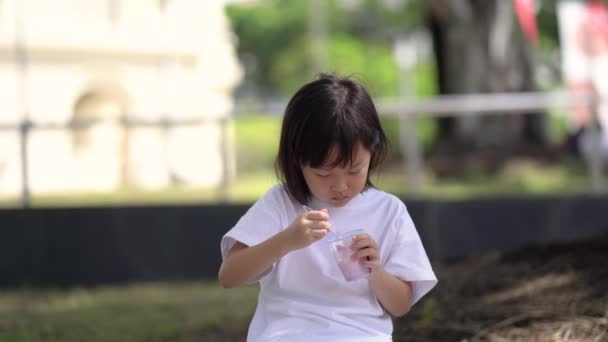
column 304, row 296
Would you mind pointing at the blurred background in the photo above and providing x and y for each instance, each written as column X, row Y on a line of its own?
column 133, row 134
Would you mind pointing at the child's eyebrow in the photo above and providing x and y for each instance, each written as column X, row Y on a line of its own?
column 329, row 167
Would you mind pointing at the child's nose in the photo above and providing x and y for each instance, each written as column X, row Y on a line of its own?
column 339, row 185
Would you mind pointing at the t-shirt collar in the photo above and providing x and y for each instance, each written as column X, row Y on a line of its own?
column 317, row 204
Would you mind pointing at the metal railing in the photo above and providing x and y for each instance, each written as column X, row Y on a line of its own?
column 25, row 127
column 406, row 109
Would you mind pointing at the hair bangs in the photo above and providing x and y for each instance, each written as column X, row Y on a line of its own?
column 323, row 123
column 331, row 143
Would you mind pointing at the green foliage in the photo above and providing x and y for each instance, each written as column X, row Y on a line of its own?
column 274, row 38
column 425, row 76
column 430, row 310
column 547, row 25
column 257, row 141
column 263, row 31
column 557, row 125
column 274, row 42
column 371, row 63
column 426, row 130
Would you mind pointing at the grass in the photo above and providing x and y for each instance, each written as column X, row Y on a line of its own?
column 184, row 311
column 257, row 141
column 246, row 188
column 518, row 291
column 517, row 178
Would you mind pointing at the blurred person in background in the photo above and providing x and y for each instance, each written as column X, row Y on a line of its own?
column 585, row 36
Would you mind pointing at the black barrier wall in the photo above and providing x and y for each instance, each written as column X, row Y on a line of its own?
column 90, row 246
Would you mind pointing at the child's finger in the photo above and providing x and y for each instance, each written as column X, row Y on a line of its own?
column 368, row 262
column 318, row 233
column 320, row 225
column 359, row 244
column 369, row 256
column 360, row 237
column 317, row 215
column 365, row 252
column 364, row 243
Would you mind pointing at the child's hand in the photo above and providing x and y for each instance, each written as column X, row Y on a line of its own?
column 306, row 229
column 366, row 251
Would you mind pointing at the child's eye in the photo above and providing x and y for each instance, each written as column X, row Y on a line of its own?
column 354, row 172
column 322, row 175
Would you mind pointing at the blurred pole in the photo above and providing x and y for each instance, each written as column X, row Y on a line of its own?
column 165, row 73
column 21, row 81
column 595, row 159
column 222, row 193
column 317, row 28
column 405, row 51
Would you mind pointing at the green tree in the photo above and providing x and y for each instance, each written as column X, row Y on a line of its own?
column 264, row 30
column 371, row 63
column 274, row 42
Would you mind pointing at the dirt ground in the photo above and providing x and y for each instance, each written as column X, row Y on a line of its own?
column 543, row 293
column 550, row 293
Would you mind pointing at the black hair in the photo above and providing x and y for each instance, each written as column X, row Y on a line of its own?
column 329, row 111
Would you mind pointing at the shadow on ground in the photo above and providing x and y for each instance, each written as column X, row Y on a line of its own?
column 543, row 293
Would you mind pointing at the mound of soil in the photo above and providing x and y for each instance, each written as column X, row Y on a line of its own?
column 544, row 293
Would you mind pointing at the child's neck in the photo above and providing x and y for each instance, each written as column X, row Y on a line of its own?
column 317, row 204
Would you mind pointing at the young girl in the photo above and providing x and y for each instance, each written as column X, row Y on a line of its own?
column 331, row 141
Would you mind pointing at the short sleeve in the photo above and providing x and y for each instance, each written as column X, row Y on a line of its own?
column 407, row 258
column 258, row 224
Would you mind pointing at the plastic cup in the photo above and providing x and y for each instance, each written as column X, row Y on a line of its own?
column 340, row 246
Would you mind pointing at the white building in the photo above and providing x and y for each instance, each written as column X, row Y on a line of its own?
column 111, row 60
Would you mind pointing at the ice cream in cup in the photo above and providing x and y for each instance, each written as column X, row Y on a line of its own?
column 340, row 246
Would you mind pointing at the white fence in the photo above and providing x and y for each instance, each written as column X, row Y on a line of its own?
column 407, row 109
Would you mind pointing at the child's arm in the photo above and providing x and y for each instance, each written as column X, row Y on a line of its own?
column 244, row 263
column 394, row 294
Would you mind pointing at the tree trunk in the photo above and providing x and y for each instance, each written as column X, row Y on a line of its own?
column 479, row 48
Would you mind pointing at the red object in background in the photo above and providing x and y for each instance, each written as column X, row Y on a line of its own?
column 592, row 34
column 597, row 26
column 597, row 17
column 527, row 19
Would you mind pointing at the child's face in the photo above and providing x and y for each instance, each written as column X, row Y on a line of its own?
column 338, row 185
